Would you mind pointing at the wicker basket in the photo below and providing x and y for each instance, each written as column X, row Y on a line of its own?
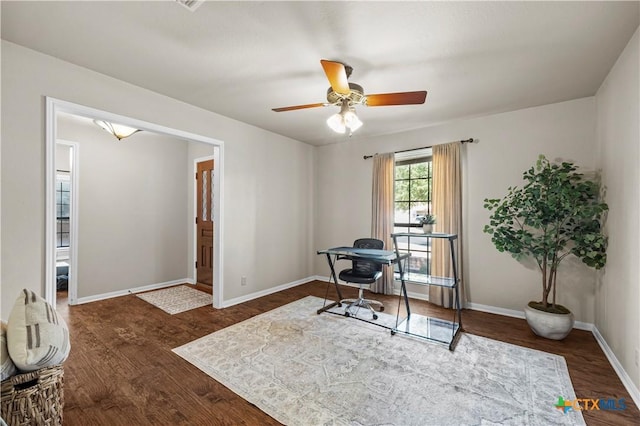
column 34, row 398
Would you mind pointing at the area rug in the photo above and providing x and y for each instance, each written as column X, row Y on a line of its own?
column 307, row 369
column 178, row 299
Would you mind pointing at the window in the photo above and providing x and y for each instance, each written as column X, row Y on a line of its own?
column 413, row 177
column 63, row 200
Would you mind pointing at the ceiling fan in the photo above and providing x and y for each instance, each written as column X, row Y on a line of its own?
column 347, row 95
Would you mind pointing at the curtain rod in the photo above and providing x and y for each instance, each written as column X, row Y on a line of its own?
column 470, row 140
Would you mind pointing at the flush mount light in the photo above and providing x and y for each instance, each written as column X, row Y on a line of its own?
column 118, row 130
column 345, row 119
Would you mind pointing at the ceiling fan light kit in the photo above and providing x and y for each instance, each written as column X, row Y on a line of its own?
column 346, row 118
column 347, row 95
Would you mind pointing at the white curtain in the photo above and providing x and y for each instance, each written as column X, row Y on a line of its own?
column 382, row 213
column 447, row 207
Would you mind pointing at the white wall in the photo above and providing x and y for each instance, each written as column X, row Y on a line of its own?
column 132, row 207
column 268, row 177
column 618, row 294
column 508, row 144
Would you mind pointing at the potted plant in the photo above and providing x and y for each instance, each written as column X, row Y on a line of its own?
column 427, row 221
column 557, row 213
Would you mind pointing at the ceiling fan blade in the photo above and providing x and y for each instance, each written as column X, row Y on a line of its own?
column 337, row 76
column 291, row 108
column 400, row 98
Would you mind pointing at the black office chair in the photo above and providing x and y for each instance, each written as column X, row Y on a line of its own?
column 363, row 272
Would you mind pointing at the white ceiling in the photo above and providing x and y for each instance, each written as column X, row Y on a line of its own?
column 240, row 59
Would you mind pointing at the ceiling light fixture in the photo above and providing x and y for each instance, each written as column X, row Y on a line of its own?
column 192, row 5
column 118, row 130
column 346, row 118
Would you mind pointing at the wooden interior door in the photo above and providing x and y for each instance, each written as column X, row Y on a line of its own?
column 204, row 223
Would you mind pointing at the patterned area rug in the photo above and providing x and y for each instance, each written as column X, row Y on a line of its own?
column 307, row 369
column 174, row 300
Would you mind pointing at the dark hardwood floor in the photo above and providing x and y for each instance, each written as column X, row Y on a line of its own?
column 121, row 370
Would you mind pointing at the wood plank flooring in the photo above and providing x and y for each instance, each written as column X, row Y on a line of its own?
column 121, row 370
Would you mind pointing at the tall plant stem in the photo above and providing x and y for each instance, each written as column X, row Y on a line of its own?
column 545, row 291
column 554, row 271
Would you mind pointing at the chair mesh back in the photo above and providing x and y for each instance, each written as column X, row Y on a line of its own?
column 363, row 267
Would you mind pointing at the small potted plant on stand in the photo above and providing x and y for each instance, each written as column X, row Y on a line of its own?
column 427, row 221
column 556, row 213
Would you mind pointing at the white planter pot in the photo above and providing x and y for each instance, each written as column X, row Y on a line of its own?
column 427, row 229
column 548, row 325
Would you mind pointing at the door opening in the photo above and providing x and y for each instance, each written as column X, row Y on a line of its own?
column 204, row 221
column 57, row 106
column 66, row 212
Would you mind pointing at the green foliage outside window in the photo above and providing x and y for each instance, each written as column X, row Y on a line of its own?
column 412, row 183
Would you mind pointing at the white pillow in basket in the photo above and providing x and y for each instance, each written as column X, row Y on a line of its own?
column 8, row 367
column 37, row 335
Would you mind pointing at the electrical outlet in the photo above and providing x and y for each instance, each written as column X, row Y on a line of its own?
column 243, row 281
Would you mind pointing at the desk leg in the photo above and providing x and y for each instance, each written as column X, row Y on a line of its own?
column 403, row 288
column 454, row 265
column 335, row 281
column 457, row 307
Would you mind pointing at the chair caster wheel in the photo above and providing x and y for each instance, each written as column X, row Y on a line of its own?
column 347, row 314
column 393, row 333
column 381, row 308
column 375, row 317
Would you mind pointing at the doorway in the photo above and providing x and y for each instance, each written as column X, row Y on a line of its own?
column 54, row 107
column 204, row 220
column 66, row 210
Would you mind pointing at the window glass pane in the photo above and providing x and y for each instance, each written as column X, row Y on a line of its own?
column 401, row 214
column 205, row 176
column 417, row 209
column 402, row 190
column 65, row 197
column 402, row 172
column 419, row 170
column 63, row 200
column 419, row 190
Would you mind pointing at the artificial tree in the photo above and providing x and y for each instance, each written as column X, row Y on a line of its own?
column 556, row 213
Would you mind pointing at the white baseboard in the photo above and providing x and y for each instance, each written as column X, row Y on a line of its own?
column 246, row 298
column 619, row 369
column 119, row 293
column 587, row 326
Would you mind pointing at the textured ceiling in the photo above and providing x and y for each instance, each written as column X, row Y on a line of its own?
column 240, row 59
